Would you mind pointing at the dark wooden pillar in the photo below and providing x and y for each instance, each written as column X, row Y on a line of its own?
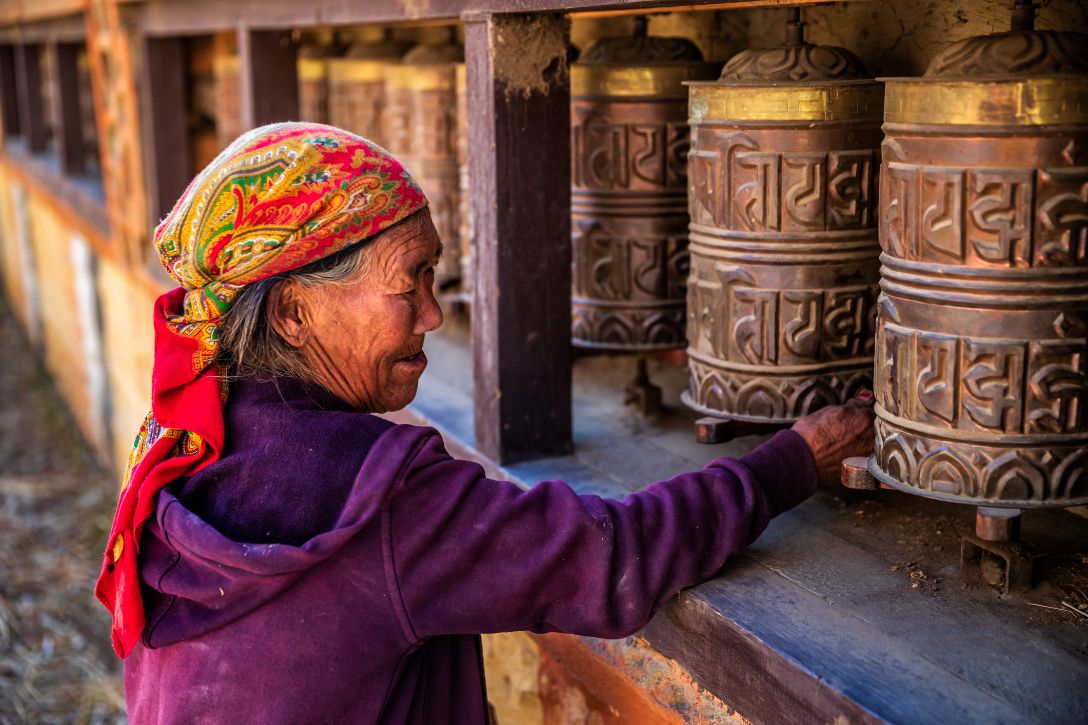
column 9, row 91
column 519, row 171
column 28, row 68
column 69, row 129
column 163, row 110
column 268, row 76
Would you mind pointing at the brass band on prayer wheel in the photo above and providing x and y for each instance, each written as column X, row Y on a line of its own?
column 782, row 171
column 982, row 333
column 628, row 193
column 421, row 129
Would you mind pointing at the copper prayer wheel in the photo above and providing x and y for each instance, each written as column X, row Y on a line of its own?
column 227, row 97
column 202, row 117
column 313, row 87
column 420, row 125
column 982, row 332
column 629, row 140
column 357, row 86
column 782, row 170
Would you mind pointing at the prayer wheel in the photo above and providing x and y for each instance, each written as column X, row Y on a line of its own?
column 982, row 331
column 629, row 141
column 782, row 170
column 201, row 114
column 313, row 87
column 227, row 97
column 357, row 86
column 421, row 128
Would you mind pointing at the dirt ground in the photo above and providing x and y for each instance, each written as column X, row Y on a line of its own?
column 56, row 502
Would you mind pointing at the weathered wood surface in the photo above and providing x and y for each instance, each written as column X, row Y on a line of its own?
column 819, row 618
column 519, row 172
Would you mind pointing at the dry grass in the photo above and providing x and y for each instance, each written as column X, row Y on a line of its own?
column 56, row 665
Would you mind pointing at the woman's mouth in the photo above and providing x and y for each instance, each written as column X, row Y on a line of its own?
column 418, row 360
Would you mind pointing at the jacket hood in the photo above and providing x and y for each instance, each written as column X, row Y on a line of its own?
column 195, row 578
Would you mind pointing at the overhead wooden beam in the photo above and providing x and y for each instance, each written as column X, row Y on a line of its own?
column 9, row 91
column 42, row 11
column 268, row 76
column 163, row 106
column 172, row 17
column 519, row 171
column 28, row 69
column 69, row 130
column 71, row 28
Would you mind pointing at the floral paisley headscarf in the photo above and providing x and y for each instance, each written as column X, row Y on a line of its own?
column 278, row 198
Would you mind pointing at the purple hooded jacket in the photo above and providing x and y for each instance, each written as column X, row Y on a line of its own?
column 334, row 567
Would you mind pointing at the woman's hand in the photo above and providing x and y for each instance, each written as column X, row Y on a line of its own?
column 838, row 432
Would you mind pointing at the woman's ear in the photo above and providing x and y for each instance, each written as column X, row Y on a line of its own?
column 289, row 313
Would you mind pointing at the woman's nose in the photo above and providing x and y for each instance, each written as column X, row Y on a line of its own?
column 430, row 313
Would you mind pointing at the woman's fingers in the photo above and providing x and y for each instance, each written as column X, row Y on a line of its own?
column 838, row 432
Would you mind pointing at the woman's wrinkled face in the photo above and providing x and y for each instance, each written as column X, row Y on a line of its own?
column 364, row 339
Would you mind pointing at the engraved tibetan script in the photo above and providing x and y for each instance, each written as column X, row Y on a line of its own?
column 611, row 155
column 736, row 185
column 986, row 216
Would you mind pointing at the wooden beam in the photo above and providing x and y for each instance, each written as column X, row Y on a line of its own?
column 9, row 92
column 172, row 17
column 31, row 108
column 268, row 76
column 40, row 11
column 163, row 106
column 68, row 29
column 519, row 171
column 69, row 131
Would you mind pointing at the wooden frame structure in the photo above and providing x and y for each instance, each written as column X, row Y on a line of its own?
column 771, row 648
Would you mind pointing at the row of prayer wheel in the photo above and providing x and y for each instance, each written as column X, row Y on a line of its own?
column 828, row 225
column 403, row 98
column 797, row 225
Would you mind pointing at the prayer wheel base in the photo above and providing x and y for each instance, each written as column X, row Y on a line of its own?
column 991, row 556
column 642, row 394
column 712, row 429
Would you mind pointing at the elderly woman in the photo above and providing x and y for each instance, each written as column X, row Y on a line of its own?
column 282, row 554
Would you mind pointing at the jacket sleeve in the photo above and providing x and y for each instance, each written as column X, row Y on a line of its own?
column 467, row 554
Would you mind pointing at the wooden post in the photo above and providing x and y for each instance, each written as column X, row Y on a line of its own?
column 28, row 68
column 519, row 173
column 163, row 111
column 268, row 76
column 69, row 132
column 9, row 91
